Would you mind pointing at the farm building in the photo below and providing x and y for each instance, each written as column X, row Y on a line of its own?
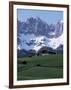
column 45, row 50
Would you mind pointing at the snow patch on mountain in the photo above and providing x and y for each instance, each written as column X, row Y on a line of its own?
column 29, row 42
column 51, row 33
column 56, row 42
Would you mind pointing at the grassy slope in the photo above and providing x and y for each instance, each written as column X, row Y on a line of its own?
column 50, row 67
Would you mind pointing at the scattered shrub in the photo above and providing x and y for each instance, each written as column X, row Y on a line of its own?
column 24, row 62
column 38, row 65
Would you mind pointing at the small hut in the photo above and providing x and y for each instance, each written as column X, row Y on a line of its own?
column 43, row 50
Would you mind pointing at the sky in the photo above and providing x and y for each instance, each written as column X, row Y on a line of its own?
column 49, row 16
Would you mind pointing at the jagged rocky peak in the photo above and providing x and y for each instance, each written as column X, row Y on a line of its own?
column 35, row 33
column 37, row 26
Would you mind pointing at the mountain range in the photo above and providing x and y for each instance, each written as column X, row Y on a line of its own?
column 34, row 33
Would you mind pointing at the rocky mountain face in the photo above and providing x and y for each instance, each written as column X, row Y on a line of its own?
column 38, row 27
column 34, row 34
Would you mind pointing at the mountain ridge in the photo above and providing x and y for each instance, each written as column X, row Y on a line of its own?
column 34, row 34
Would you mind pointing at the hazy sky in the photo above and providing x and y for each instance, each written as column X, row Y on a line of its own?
column 48, row 16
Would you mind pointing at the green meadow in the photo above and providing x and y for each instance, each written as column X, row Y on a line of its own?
column 40, row 67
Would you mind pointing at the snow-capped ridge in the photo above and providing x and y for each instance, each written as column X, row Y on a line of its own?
column 34, row 34
column 35, row 43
